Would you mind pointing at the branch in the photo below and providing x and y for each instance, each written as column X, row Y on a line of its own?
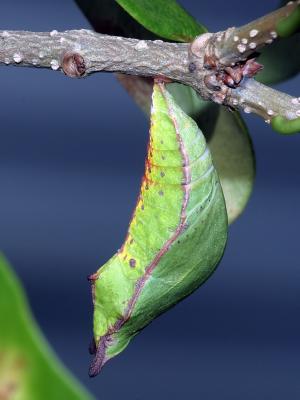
column 241, row 42
column 219, row 66
column 82, row 52
column 254, row 97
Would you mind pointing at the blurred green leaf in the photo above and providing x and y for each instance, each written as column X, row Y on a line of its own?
column 165, row 18
column 281, row 60
column 28, row 368
column 233, row 156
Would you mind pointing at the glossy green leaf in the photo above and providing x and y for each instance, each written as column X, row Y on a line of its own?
column 281, row 60
column 28, row 368
column 108, row 17
column 165, row 18
column 175, row 239
column 233, row 156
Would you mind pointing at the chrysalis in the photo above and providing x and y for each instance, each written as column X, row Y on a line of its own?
column 175, row 239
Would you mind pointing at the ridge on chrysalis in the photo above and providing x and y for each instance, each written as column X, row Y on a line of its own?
column 175, row 239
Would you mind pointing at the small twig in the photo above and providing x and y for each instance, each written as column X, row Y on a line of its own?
column 219, row 66
column 254, row 97
column 242, row 42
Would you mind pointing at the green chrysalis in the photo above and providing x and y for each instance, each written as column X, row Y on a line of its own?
column 175, row 239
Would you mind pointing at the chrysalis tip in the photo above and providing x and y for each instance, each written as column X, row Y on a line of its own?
column 99, row 359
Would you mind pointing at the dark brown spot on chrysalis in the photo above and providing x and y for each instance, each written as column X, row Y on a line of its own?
column 73, row 64
column 163, row 157
column 162, row 142
column 161, row 193
column 132, row 262
column 162, row 174
column 131, row 241
column 143, row 207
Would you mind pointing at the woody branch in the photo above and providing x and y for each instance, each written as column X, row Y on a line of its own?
column 219, row 66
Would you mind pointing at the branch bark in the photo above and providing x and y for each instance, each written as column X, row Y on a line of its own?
column 219, row 66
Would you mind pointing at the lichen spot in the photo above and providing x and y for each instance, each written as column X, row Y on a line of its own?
column 17, row 57
column 253, row 33
column 132, row 263
column 5, row 34
column 141, row 45
column 274, row 34
column 241, row 48
column 54, row 65
column 53, row 33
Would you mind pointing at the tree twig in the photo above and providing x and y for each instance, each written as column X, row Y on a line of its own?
column 215, row 65
column 241, row 42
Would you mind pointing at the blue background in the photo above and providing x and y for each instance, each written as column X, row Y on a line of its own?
column 71, row 158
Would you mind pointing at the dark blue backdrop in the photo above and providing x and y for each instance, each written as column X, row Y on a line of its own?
column 71, row 158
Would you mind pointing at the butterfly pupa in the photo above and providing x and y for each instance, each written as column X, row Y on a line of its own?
column 175, row 239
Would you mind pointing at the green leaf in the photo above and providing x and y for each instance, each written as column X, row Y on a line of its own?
column 108, row 17
column 281, row 60
column 289, row 25
column 233, row 156
column 28, row 368
column 165, row 18
column 175, row 239
column 285, row 126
